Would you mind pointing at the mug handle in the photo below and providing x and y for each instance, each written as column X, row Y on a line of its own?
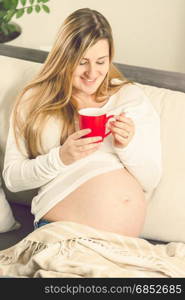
column 111, row 116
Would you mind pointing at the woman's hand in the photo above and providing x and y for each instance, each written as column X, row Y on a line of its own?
column 76, row 147
column 123, row 130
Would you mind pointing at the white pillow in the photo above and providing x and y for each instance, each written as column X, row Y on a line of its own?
column 14, row 74
column 165, row 219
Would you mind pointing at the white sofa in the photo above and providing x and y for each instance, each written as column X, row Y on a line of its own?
column 166, row 205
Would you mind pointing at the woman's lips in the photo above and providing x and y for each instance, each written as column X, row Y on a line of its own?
column 88, row 82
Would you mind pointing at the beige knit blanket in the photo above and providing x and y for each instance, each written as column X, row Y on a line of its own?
column 67, row 249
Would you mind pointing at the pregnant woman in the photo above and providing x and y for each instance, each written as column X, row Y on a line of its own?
column 103, row 184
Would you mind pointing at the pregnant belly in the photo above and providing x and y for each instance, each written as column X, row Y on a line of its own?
column 113, row 202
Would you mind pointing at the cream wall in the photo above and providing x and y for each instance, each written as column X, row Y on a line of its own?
column 149, row 33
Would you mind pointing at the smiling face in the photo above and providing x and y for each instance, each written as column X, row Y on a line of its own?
column 91, row 70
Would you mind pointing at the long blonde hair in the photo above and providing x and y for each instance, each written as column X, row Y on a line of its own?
column 51, row 89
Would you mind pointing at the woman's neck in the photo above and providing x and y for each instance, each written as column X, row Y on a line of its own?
column 85, row 101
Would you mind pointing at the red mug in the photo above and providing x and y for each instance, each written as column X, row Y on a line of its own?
column 94, row 119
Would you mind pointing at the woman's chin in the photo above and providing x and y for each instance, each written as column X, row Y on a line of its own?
column 90, row 90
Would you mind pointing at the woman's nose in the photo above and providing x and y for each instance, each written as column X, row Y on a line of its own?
column 91, row 71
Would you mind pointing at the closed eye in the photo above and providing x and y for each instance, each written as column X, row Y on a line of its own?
column 100, row 62
column 83, row 63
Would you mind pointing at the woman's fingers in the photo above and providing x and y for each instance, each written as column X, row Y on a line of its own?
column 79, row 140
column 123, row 122
column 121, row 139
column 87, row 144
column 124, row 119
column 92, row 146
column 89, row 140
column 80, row 133
column 80, row 144
column 123, row 130
column 121, row 125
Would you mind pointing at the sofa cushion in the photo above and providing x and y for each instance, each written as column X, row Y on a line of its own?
column 166, row 207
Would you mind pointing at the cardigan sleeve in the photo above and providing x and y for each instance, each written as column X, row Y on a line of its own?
column 142, row 156
column 21, row 173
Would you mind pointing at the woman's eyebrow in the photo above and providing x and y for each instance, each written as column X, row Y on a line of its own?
column 103, row 56
column 97, row 58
